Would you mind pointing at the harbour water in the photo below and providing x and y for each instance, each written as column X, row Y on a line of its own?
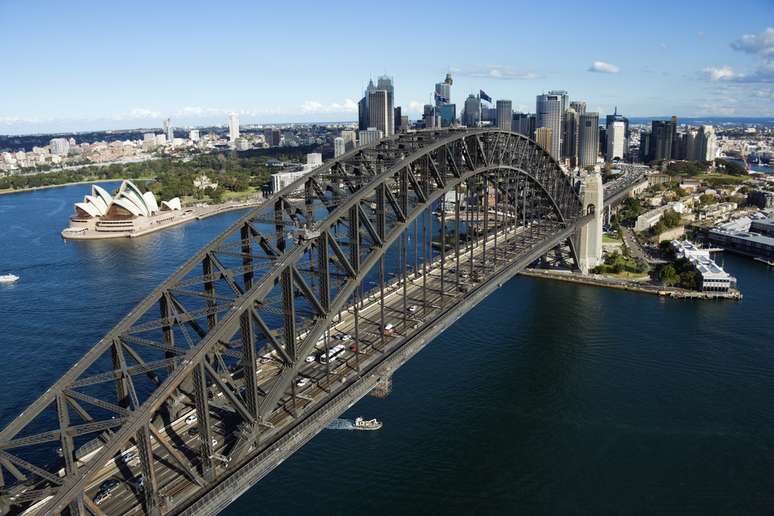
column 547, row 398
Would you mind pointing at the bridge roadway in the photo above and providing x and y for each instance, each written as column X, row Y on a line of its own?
column 427, row 293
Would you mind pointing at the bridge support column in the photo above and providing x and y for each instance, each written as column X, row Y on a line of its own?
column 590, row 236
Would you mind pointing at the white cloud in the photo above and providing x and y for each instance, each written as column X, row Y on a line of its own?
column 761, row 44
column 136, row 114
column 603, row 67
column 722, row 73
column 506, row 73
column 415, row 107
column 313, row 106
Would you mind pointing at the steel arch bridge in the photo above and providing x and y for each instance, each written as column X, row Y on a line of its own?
column 303, row 306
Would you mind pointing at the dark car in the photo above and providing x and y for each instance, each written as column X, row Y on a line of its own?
column 193, row 431
column 108, row 485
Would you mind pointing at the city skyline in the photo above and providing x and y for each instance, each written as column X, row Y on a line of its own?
column 713, row 66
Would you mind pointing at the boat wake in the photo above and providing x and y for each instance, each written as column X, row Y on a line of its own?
column 341, row 424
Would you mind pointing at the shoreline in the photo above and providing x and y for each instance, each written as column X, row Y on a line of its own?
column 84, row 182
column 196, row 213
column 630, row 286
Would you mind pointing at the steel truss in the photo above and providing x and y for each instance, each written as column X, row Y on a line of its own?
column 197, row 386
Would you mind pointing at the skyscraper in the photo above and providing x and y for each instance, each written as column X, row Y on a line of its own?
column 609, row 120
column 233, row 127
column 662, row 136
column 193, row 135
column 369, row 136
column 379, row 112
column 588, row 139
column 471, row 114
column 579, row 106
column 385, row 83
column 708, row 144
column 616, row 131
column 524, row 123
column 544, row 138
column 570, row 137
column 362, row 107
column 59, row 146
column 549, row 111
column 504, row 115
column 396, row 118
column 169, row 131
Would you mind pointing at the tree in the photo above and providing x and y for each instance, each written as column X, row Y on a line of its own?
column 669, row 276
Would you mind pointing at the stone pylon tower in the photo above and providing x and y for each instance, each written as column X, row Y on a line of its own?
column 590, row 236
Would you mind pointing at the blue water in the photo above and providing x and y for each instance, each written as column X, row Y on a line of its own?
column 547, row 398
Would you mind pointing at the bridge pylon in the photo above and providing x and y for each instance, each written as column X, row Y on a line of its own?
column 590, row 235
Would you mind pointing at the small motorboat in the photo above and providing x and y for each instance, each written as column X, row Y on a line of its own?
column 369, row 424
column 8, row 278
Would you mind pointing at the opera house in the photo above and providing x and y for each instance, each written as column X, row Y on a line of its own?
column 127, row 213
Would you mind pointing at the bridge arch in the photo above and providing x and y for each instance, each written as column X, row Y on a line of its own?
column 269, row 291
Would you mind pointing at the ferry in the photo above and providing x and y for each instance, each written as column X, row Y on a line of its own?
column 370, row 424
column 8, row 278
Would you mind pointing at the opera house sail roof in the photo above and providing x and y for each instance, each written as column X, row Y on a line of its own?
column 129, row 202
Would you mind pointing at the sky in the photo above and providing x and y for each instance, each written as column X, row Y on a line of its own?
column 91, row 65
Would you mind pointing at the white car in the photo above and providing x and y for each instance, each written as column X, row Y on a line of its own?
column 303, row 382
column 344, row 337
column 190, row 419
column 214, row 441
column 412, row 309
column 309, row 359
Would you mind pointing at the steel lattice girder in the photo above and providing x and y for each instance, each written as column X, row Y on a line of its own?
column 405, row 174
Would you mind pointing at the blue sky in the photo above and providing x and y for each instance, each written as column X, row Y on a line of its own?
column 81, row 65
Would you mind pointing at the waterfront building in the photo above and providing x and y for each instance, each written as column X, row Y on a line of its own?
column 588, row 139
column 713, row 277
column 764, row 227
column 282, row 179
column 59, row 146
column 233, row 127
column 339, row 146
column 549, row 111
column 743, row 242
column 544, row 138
column 504, row 118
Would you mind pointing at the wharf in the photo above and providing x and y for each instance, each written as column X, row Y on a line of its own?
column 631, row 286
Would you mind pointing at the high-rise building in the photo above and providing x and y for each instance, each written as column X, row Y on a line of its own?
column 193, row 135
column 588, row 139
column 471, row 113
column 579, row 106
column 369, row 136
column 544, row 138
column 272, row 136
column 504, row 115
column 570, row 137
column 233, row 127
column 169, row 131
column 339, row 146
column 549, row 111
column 447, row 113
column 350, row 139
column 708, row 145
column 59, row 146
column 396, row 118
column 429, row 117
column 385, row 83
column 442, row 93
column 362, row 107
column 524, row 123
column 662, row 138
column 616, row 137
column 609, row 120
column 379, row 112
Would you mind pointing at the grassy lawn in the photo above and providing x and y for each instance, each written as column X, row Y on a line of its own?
column 630, row 276
column 607, row 239
column 721, row 179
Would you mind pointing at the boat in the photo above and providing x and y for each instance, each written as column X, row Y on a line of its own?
column 370, row 424
column 8, row 278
